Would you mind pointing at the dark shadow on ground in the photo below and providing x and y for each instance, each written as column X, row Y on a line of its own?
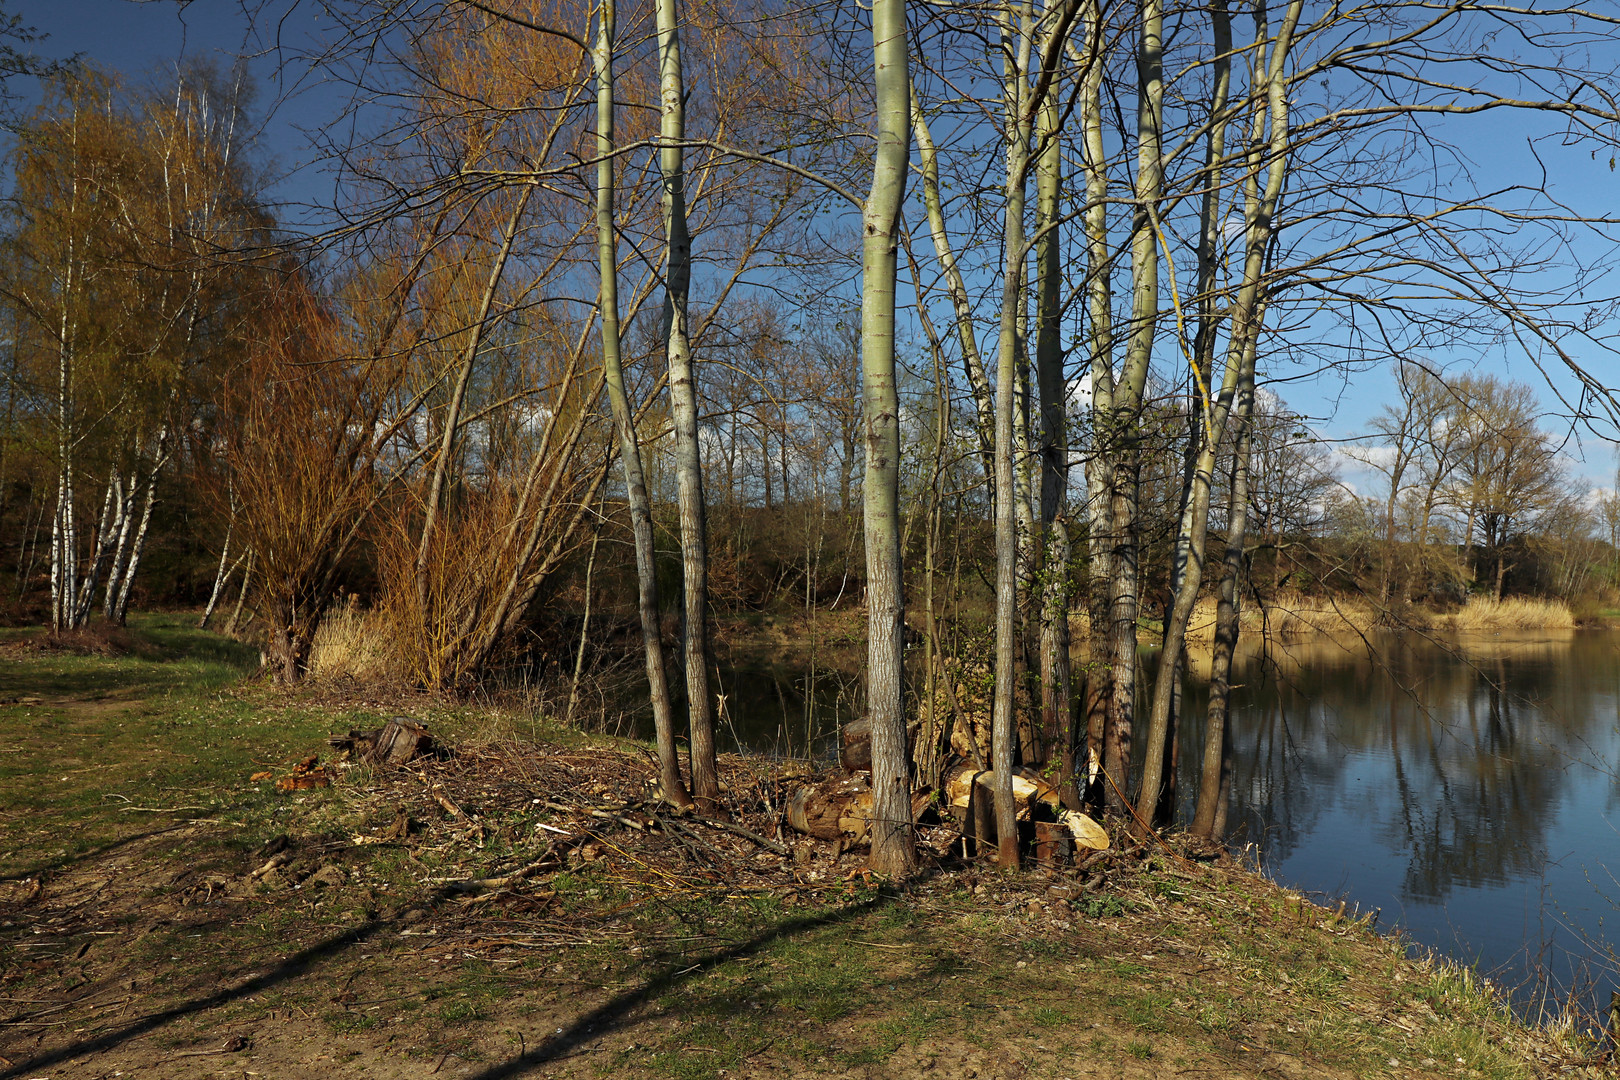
column 86, row 856
column 616, row 1013
column 294, row 966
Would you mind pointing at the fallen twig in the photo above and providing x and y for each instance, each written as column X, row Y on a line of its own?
column 746, row 834
column 602, row 815
column 444, row 800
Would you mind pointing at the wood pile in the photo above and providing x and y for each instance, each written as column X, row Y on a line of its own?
column 839, row 808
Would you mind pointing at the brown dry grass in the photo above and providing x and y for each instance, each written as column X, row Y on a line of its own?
column 1291, row 615
column 350, row 644
column 1514, row 613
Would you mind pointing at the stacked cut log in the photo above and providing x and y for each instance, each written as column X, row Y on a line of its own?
column 832, row 809
column 839, row 808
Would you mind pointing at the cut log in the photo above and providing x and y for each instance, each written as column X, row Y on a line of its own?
column 1029, row 789
column 855, row 744
column 1053, row 843
column 396, row 742
column 1086, row 832
column 832, row 809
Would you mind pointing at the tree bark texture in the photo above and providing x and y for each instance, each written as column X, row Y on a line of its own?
column 893, row 844
column 1009, row 357
column 684, row 412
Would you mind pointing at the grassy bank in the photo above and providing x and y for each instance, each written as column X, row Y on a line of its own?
column 163, row 913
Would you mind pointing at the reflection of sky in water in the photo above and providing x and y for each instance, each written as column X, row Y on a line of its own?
column 1470, row 797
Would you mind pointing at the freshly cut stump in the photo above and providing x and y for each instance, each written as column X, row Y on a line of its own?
column 396, row 742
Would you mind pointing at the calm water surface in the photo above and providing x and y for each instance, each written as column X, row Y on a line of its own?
column 1466, row 787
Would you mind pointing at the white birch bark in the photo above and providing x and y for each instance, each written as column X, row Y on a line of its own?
column 121, row 610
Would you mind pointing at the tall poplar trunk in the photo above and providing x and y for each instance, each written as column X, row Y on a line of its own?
column 1099, row 475
column 1056, row 713
column 1122, row 436
column 1206, row 417
column 684, row 411
column 893, row 844
column 1268, row 149
column 1208, row 817
column 1008, row 493
column 607, row 246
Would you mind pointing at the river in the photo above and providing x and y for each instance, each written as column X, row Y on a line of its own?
column 1466, row 787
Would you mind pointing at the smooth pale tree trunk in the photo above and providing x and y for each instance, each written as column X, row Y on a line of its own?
column 1208, row 817
column 222, row 575
column 247, row 581
column 1193, row 520
column 1268, row 149
column 125, row 516
column 64, row 534
column 222, row 581
column 120, row 610
column 64, row 538
column 956, row 288
column 894, row 852
column 684, row 411
column 607, row 245
column 1156, row 800
column 1008, row 493
column 111, row 502
column 1187, row 578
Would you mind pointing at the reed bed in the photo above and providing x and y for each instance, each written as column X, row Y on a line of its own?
column 1514, row 613
column 1290, row 615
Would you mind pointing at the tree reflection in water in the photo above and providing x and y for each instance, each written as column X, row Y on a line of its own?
column 1465, row 786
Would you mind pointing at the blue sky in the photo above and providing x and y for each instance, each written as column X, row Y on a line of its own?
column 141, row 39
